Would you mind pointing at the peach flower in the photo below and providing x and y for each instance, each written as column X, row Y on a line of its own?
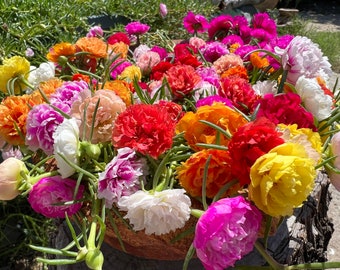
column 96, row 47
column 227, row 61
column 109, row 106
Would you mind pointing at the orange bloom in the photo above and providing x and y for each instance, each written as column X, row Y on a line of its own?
column 96, row 47
column 60, row 49
column 13, row 115
column 233, row 47
column 240, row 71
column 218, row 114
column 121, row 88
column 119, row 47
column 259, row 61
column 191, row 173
column 49, row 86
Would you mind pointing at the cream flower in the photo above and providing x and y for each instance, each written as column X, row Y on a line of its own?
column 43, row 73
column 66, row 142
column 157, row 213
column 314, row 98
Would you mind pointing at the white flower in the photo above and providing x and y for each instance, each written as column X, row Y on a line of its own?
column 66, row 141
column 264, row 87
column 140, row 50
column 44, row 72
column 204, row 89
column 157, row 213
column 314, row 98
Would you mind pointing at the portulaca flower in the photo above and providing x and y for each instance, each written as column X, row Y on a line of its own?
column 264, row 87
column 66, row 142
column 44, row 72
column 158, row 212
column 314, row 98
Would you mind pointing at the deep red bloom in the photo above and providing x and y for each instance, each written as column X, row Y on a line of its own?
column 117, row 37
column 182, row 49
column 250, row 142
column 286, row 109
column 240, row 92
column 158, row 71
column 188, row 59
column 146, row 128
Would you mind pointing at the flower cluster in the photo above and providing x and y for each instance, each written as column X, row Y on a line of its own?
column 229, row 129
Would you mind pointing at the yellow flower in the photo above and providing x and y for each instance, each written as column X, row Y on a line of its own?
column 282, row 179
column 14, row 67
column 305, row 136
column 130, row 73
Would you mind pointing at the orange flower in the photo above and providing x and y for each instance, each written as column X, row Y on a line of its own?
column 218, row 114
column 13, row 115
column 60, row 49
column 240, row 71
column 121, row 88
column 233, row 47
column 260, row 61
column 49, row 86
column 191, row 173
column 96, row 47
column 119, row 47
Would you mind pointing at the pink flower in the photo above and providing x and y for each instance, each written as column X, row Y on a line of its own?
column 303, row 57
column 49, row 195
column 220, row 26
column 109, row 106
column 118, row 67
column 226, row 232
column 147, row 61
column 95, row 31
column 163, row 11
column 136, row 28
column 227, row 61
column 214, row 50
column 195, row 23
column 41, row 123
column 196, row 42
column 121, row 176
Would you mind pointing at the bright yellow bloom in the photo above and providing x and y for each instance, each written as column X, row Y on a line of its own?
column 305, row 136
column 14, row 67
column 130, row 73
column 282, row 179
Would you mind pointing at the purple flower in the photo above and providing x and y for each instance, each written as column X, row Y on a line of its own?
column 67, row 94
column 29, row 52
column 41, row 123
column 136, row 28
column 163, row 11
column 49, row 195
column 121, row 176
column 195, row 23
column 118, row 66
column 226, row 232
column 95, row 31
column 209, row 74
column 211, row 99
column 214, row 50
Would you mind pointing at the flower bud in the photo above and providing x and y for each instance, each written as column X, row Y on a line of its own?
column 62, row 60
column 92, row 150
column 94, row 259
column 163, row 10
column 10, row 178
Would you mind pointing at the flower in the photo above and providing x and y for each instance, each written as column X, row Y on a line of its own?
column 11, row 170
column 94, row 46
column 147, row 129
column 159, row 212
column 191, row 173
column 136, row 28
column 65, row 49
column 105, row 106
column 95, row 31
column 43, row 73
column 281, row 179
column 122, row 176
column 195, row 23
column 66, row 145
column 15, row 68
column 226, row 232
column 41, row 123
column 50, row 195
column 163, row 11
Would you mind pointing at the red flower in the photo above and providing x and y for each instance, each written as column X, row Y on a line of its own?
column 146, row 128
column 182, row 49
column 158, row 71
column 182, row 79
column 286, row 109
column 174, row 109
column 117, row 37
column 250, row 142
column 188, row 59
column 240, row 92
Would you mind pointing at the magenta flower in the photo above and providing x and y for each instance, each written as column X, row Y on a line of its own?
column 264, row 22
column 214, row 50
column 211, row 99
column 161, row 51
column 136, row 28
column 95, row 31
column 41, row 123
column 49, row 195
column 122, row 176
column 118, row 67
column 208, row 74
column 195, row 23
column 163, row 11
column 226, row 232
column 69, row 92
column 220, row 27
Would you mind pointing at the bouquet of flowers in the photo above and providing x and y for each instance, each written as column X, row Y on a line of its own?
column 229, row 127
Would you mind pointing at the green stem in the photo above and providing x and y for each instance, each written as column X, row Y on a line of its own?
column 274, row 264
column 197, row 213
column 321, row 265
